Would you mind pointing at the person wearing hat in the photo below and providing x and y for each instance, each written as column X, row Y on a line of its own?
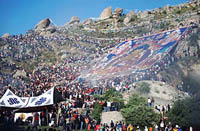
column 145, row 129
column 175, row 128
column 179, row 129
column 138, row 128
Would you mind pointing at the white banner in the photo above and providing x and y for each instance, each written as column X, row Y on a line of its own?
column 42, row 100
column 9, row 99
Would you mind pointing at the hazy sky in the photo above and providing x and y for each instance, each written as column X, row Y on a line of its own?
column 18, row 16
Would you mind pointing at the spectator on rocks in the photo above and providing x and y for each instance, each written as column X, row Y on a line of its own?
column 108, row 105
column 149, row 102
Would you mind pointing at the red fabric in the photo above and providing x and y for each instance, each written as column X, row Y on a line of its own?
column 75, row 115
column 91, row 90
column 37, row 117
column 97, row 127
column 101, row 103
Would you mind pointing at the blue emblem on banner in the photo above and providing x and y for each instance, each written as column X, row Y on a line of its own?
column 40, row 101
column 13, row 101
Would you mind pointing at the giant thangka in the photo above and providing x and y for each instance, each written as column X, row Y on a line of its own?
column 10, row 100
column 136, row 55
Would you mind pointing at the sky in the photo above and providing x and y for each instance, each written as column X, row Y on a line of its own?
column 18, row 16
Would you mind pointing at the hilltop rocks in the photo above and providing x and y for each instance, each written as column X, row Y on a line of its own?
column 143, row 14
column 129, row 16
column 5, row 35
column 118, row 11
column 43, row 24
column 87, row 21
column 48, row 31
column 45, row 27
column 74, row 20
column 106, row 13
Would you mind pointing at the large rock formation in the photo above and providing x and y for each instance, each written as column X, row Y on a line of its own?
column 43, row 24
column 143, row 14
column 118, row 11
column 5, row 35
column 106, row 13
column 87, row 21
column 162, row 92
column 51, row 29
column 115, row 116
column 74, row 20
column 129, row 16
column 20, row 73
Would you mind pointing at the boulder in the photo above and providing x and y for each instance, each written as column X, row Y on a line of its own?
column 143, row 14
column 51, row 29
column 118, row 11
column 74, row 20
column 87, row 21
column 129, row 16
column 106, row 13
column 5, row 35
column 20, row 73
column 43, row 24
column 106, row 117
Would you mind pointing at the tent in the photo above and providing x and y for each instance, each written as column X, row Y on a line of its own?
column 30, row 104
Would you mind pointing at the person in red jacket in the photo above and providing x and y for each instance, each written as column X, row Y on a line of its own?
column 97, row 128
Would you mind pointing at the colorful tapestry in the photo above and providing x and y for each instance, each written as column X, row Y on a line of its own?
column 137, row 54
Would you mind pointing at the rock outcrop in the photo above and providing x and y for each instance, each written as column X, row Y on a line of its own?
column 51, row 29
column 20, row 73
column 43, row 24
column 143, row 14
column 118, row 11
column 5, row 35
column 74, row 20
column 162, row 92
column 106, row 117
column 106, row 13
column 129, row 16
column 87, row 21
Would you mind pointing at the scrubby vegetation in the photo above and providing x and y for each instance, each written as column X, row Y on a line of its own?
column 137, row 112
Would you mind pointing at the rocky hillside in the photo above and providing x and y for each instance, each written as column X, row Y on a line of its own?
column 161, row 92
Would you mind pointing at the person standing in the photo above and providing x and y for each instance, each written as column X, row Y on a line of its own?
column 36, row 121
column 108, row 105
column 138, row 128
column 130, row 127
column 112, row 124
column 149, row 102
column 175, row 128
column 145, row 129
